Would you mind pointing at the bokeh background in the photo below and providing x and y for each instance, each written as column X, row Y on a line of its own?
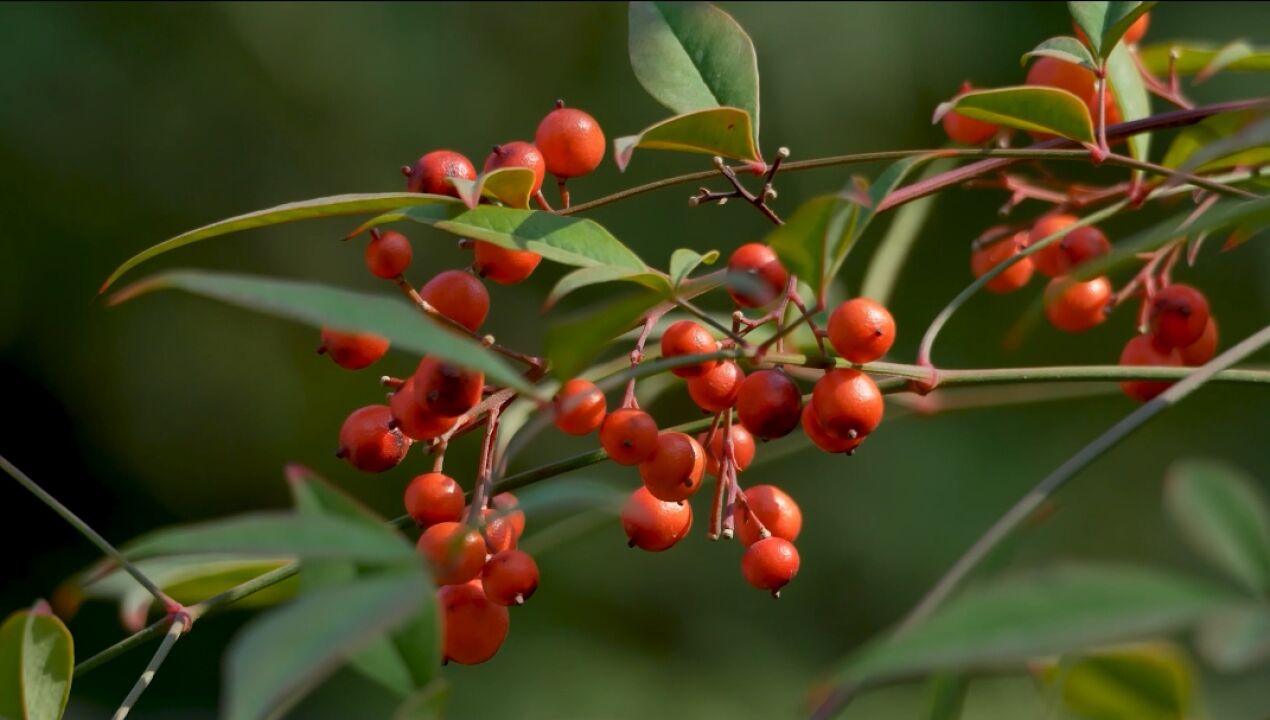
column 123, row 124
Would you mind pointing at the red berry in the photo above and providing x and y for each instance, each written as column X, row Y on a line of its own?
column 861, row 330
column 769, row 403
column 776, row 510
column 430, row 171
column 455, row 552
column 571, row 142
column 675, row 470
column 1055, row 73
column 1178, row 315
column 458, row 295
column 434, row 498
column 717, row 390
column 412, row 418
column 504, row 523
column 688, row 338
column 368, row 444
column 655, row 525
column 1203, row 349
column 824, row 439
column 1131, row 36
column 352, row 351
column 473, row 627
column 579, row 407
column 760, row 276
column 503, row 266
column 518, row 154
column 629, row 436
column 388, row 254
column 742, row 448
column 993, row 254
column 847, row 403
column 967, row 130
column 510, row 577
column 508, row 505
column 770, row 564
column 1077, row 246
column 1077, row 306
column 447, row 390
column 1141, row 350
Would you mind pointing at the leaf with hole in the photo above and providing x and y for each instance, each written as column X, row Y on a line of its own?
column 1026, row 107
column 1223, row 516
column 1104, row 23
column 723, row 131
column 37, row 660
column 511, row 186
column 1065, row 48
column 1146, row 681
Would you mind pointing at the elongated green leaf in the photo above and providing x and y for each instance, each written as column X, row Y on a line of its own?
column 1026, row 107
column 427, row 704
column 512, row 186
column 37, row 659
column 1222, row 141
column 1130, row 96
column 1104, row 23
column 723, row 131
column 320, row 305
column 279, row 657
column 1065, row 48
column 335, row 205
column 894, row 248
column 1192, row 59
column 1221, row 513
column 599, row 274
column 572, row 344
column 692, row 55
column 1237, row 639
column 1148, row 681
column 1228, row 55
column 1041, row 613
column 683, row 261
column 947, row 693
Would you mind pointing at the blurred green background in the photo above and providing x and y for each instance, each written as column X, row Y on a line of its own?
column 123, row 124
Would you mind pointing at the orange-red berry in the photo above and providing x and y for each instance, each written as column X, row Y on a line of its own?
column 676, row 468
column 579, row 407
column 847, row 403
column 455, row 552
column 1142, row 350
column 447, row 390
column 824, row 439
column 968, row 130
column 1178, row 315
column 430, row 171
column 769, row 403
column 571, row 142
column 504, row 266
column 352, row 351
column 1203, row 349
column 510, row 577
column 458, row 295
column 1077, row 306
column 717, row 390
column 770, row 564
column 985, row 258
column 508, row 505
column 433, row 498
column 518, row 154
column 629, row 436
column 388, row 254
column 861, row 330
column 412, row 418
column 1055, row 73
column 742, row 448
column 368, row 443
column 473, row 627
column 758, row 277
column 688, row 338
column 1070, row 250
column 504, row 523
column 774, row 509
column 654, row 525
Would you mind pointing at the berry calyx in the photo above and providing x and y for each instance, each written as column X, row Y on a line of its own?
column 388, row 254
column 654, row 525
column 757, row 275
column 1203, row 349
column 824, row 439
column 1178, row 316
column 352, row 351
column 459, row 296
column 847, row 403
column 742, row 448
column 985, row 258
column 368, row 443
column 446, row 390
column 430, row 171
column 455, row 552
column 1077, row 306
column 510, row 577
column 1142, row 350
column 770, row 564
column 688, row 338
column 861, row 330
column 967, row 130
column 675, row 470
column 629, row 436
column 518, row 154
column 413, row 419
column 774, row 509
column 768, row 404
column 504, row 266
column 473, row 627
column 718, row 389
column 579, row 407
column 434, row 498
column 570, row 141
column 1070, row 250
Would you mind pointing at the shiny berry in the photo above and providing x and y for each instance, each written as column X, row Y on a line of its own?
column 1077, row 306
column 774, row 509
column 742, row 448
column 458, row 295
column 433, row 498
column 758, row 275
column 861, row 330
column 352, row 351
column 1203, row 349
column 985, row 258
column 571, row 142
column 499, row 531
column 1178, row 315
column 1055, row 73
column 847, row 403
column 688, row 338
column 367, row 442
column 968, row 130
column 1142, row 350
column 770, row 564
column 455, row 552
column 1070, row 250
column 509, row 507
column 510, row 577
column 676, row 468
column 388, row 254
column 518, row 154
column 579, row 407
column 430, row 171
column 504, row 266
column 654, row 525
column 769, row 403
column 447, row 390
column 411, row 417
column 824, row 439
column 629, row 436
column 717, row 390
column 473, row 627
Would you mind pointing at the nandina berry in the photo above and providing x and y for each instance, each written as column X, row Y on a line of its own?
column 1070, row 250
column 1077, row 306
column 770, row 564
column 984, row 258
column 570, row 141
column 768, row 404
column 579, row 407
column 518, row 154
column 1203, row 349
column 675, row 470
column 861, row 330
column 775, row 510
column 759, row 275
column 629, row 436
column 824, row 439
column 968, row 130
column 509, row 506
column 447, row 390
column 430, row 171
column 433, row 498
column 1178, row 315
column 1142, row 350
column 473, row 627
column 847, row 403
column 504, row 523
column 717, row 390
column 654, row 525
column 688, row 338
column 458, row 295
column 1055, row 73
column 510, row 577
column 455, row 552
column 412, row 418
column 502, row 265
column 368, row 444
column 388, row 254
column 352, row 351
column 742, row 448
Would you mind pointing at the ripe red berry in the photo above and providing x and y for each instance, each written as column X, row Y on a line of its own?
column 447, row 390
column 458, row 295
column 985, row 258
column 774, row 509
column 847, row 403
column 1203, row 349
column 1178, row 315
column 388, row 254
column 504, row 266
column 770, row 564
column 510, row 577
column 861, row 330
column 717, row 390
column 1142, row 350
column 1077, row 246
column 433, row 498
column 518, row 154
column 571, row 142
column 769, row 403
column 579, row 407
column 824, row 439
column 430, row 171
column 504, row 523
column 412, row 418
column 759, row 276
column 352, row 351
column 368, row 444
column 508, row 505
column 688, row 338
column 967, row 130
column 629, row 436
column 473, row 627
column 1055, row 73
column 1077, row 306
column 654, row 525
column 742, row 448
column 675, row 470
column 455, row 552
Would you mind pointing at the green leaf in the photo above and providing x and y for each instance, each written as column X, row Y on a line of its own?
column 947, row 693
column 281, row 656
column 571, row 345
column 1225, row 518
column 1104, row 23
column 1067, row 49
column 335, row 205
column 1149, row 681
column 1228, row 55
column 1130, row 96
column 683, row 261
column 723, row 131
column 599, row 274
column 511, row 186
column 692, row 55
column 426, row 704
column 1020, row 616
column 894, row 247
column 1236, row 639
column 1222, row 141
column 1192, row 59
column 1026, row 107
column 320, row 305
column 37, row 660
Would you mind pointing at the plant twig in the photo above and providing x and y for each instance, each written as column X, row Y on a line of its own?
column 487, row 340
column 180, row 623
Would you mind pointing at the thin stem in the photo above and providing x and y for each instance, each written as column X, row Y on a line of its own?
column 179, row 624
column 709, row 320
column 481, row 493
column 487, row 340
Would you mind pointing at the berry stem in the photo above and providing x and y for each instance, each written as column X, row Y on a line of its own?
column 481, row 493
column 426, row 308
column 564, row 193
column 180, row 623
column 542, row 201
column 710, row 320
column 637, row 354
column 1170, row 92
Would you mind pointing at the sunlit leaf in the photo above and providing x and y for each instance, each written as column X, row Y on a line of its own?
column 1026, row 107
column 600, row 274
column 683, row 261
column 1224, row 517
column 1148, row 681
column 1228, row 55
column 1130, row 96
column 1222, row 141
column 723, row 131
column 1193, row 58
column 1104, row 23
column 1067, row 49
column 512, row 186
column 37, row 660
